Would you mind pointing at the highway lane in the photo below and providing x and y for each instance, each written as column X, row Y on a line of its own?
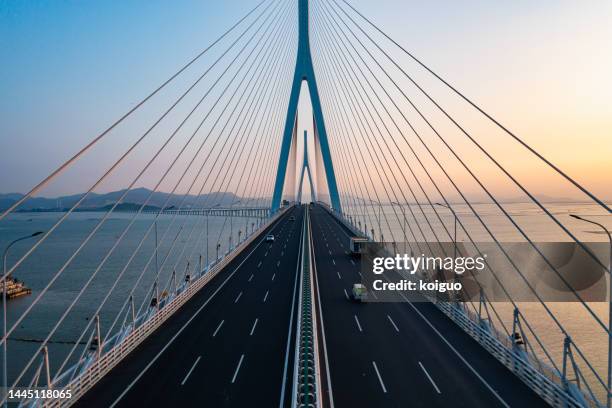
column 235, row 348
column 389, row 355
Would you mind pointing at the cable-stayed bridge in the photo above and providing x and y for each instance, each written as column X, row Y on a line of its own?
column 248, row 303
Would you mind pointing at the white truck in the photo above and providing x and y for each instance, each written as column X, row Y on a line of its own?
column 359, row 293
column 355, row 245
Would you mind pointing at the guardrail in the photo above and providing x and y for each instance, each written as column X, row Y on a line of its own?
column 542, row 379
column 99, row 367
column 306, row 375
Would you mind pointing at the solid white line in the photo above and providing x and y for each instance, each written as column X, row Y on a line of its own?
column 430, row 379
column 290, row 330
column 273, row 276
column 238, row 297
column 218, row 327
column 237, row 369
column 382, row 384
column 346, row 294
column 190, row 370
column 251, row 278
column 454, row 350
column 329, row 383
column 357, row 321
column 266, row 297
column 253, row 328
column 393, row 323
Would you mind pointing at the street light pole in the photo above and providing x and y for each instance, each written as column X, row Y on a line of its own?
column 232, row 222
column 404, row 215
column 455, row 233
column 207, row 215
column 4, row 339
column 609, row 385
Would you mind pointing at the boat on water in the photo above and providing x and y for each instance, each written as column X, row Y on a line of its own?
column 14, row 288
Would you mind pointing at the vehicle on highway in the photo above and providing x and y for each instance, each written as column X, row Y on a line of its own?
column 355, row 245
column 292, row 218
column 269, row 238
column 359, row 293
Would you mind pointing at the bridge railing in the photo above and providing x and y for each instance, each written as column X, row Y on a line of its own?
column 556, row 390
column 83, row 376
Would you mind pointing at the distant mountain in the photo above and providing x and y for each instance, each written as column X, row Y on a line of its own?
column 137, row 196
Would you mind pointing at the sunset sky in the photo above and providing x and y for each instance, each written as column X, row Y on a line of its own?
column 541, row 67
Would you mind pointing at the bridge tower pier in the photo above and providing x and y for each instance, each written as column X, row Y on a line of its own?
column 304, row 71
column 306, row 168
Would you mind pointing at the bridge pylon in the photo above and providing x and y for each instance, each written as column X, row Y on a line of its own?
column 306, row 168
column 304, row 71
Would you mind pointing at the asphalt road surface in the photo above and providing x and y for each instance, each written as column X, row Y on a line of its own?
column 399, row 354
column 230, row 345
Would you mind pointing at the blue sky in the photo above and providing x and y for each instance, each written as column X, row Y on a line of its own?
column 69, row 68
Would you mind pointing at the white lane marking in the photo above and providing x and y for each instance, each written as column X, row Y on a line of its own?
column 382, row 384
column 454, row 350
column 346, row 294
column 266, row 297
column 218, row 327
column 238, row 297
column 290, row 329
column 273, row 275
column 251, row 278
column 334, row 262
column 352, row 261
column 282, row 253
column 190, row 370
column 266, row 254
column 430, row 379
column 329, row 383
column 357, row 321
column 188, row 322
column 329, row 252
column 237, row 369
column 346, row 252
column 253, row 328
column 339, row 277
column 374, row 294
column 360, row 275
column 259, row 264
column 393, row 323
column 327, row 245
column 277, row 263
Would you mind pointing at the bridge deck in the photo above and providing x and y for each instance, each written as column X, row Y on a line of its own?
column 389, row 355
column 231, row 345
column 228, row 345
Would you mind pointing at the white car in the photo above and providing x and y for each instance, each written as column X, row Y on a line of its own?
column 269, row 238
